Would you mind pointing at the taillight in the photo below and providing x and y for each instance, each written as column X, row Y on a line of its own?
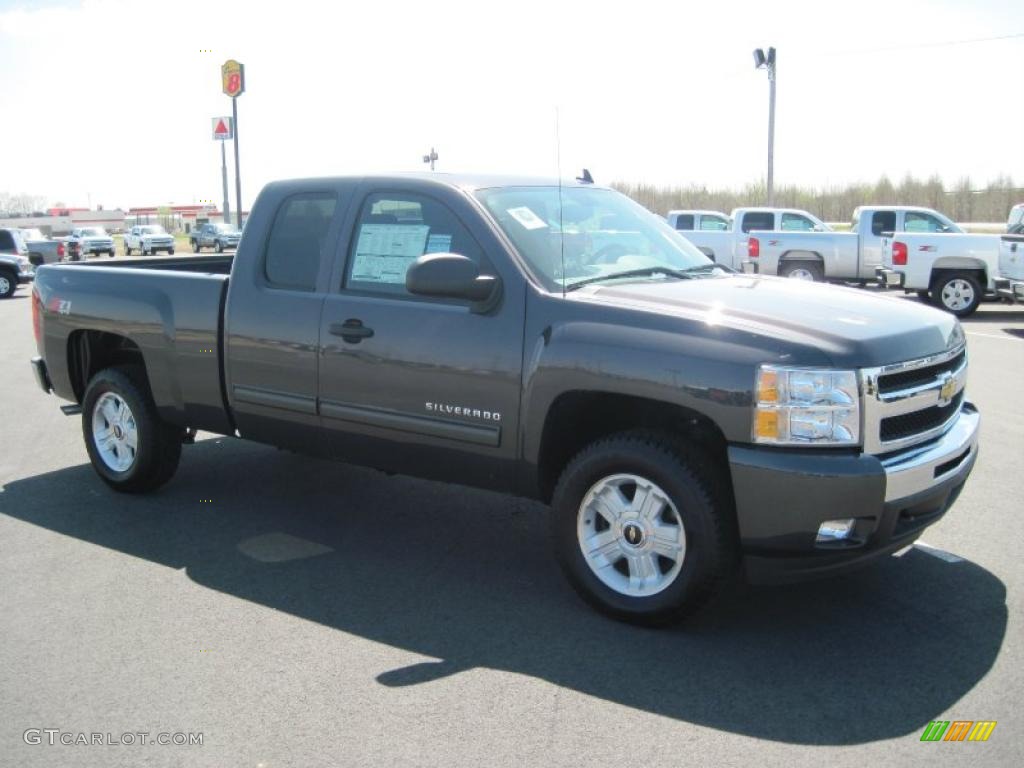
column 899, row 253
column 60, row 250
column 37, row 318
column 753, row 248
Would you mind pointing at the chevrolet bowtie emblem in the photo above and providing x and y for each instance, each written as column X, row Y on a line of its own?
column 948, row 390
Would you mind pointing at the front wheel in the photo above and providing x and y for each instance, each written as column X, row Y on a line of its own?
column 220, row 247
column 170, row 251
column 8, row 285
column 131, row 449
column 638, row 530
column 802, row 270
column 127, row 250
column 957, row 292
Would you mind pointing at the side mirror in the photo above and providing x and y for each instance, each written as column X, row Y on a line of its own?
column 451, row 276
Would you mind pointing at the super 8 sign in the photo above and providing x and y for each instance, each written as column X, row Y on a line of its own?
column 232, row 78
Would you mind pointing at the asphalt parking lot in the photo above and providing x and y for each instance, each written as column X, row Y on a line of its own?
column 299, row 612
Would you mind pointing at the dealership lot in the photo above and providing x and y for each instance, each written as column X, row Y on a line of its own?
column 295, row 611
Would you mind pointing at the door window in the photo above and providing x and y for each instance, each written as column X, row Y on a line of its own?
column 684, row 221
column 297, row 240
column 794, row 222
column 395, row 229
column 917, row 221
column 713, row 223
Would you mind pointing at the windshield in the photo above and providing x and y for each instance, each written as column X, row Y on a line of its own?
column 602, row 232
column 94, row 232
column 152, row 230
column 226, row 228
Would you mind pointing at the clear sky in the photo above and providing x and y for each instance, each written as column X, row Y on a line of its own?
column 110, row 102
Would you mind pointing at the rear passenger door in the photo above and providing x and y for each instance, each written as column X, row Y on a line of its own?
column 276, row 297
column 418, row 385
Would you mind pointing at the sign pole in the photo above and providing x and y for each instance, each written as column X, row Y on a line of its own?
column 238, row 172
column 224, row 180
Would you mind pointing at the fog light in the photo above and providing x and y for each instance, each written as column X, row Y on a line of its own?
column 835, row 530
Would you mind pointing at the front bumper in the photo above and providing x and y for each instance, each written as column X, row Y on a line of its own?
column 889, row 278
column 783, row 496
column 26, row 276
column 1009, row 290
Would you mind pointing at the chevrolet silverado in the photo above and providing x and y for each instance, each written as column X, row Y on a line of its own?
column 555, row 341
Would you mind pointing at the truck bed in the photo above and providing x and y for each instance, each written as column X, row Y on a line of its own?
column 175, row 320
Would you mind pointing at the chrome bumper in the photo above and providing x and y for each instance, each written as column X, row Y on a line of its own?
column 948, row 458
column 889, row 278
column 1009, row 290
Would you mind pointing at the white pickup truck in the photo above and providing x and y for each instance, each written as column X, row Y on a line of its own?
column 729, row 246
column 1010, row 283
column 700, row 221
column 853, row 256
column 954, row 270
column 148, row 239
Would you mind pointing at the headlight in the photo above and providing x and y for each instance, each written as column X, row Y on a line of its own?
column 798, row 406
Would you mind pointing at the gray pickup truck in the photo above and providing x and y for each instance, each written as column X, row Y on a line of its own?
column 553, row 341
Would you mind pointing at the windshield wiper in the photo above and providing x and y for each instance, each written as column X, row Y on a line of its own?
column 644, row 272
column 708, row 268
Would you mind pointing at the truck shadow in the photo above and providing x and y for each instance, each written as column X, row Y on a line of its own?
column 466, row 577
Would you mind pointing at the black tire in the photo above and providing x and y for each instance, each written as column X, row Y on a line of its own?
column 950, row 291
column 145, row 251
column 924, row 296
column 127, row 250
column 8, row 285
column 220, row 246
column 195, row 246
column 170, row 251
column 110, row 254
column 159, row 444
column 700, row 498
column 788, row 268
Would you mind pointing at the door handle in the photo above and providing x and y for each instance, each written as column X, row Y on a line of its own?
column 353, row 331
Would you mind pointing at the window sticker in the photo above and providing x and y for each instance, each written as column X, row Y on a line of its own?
column 439, row 244
column 384, row 252
column 527, row 217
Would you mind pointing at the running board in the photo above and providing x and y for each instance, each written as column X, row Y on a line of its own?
column 71, row 410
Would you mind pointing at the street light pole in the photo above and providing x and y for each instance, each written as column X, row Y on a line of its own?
column 763, row 61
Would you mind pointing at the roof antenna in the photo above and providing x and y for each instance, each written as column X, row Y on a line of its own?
column 586, row 178
column 558, row 164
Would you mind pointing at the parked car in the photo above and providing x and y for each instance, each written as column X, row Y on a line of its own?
column 219, row 236
column 86, row 240
column 148, row 239
column 1015, row 222
column 952, row 270
column 701, row 221
column 41, row 249
column 15, row 267
column 853, row 256
column 678, row 418
column 729, row 247
column 1009, row 285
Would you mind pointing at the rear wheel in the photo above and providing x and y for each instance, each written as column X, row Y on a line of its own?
column 131, row 449
column 957, row 292
column 802, row 270
column 639, row 531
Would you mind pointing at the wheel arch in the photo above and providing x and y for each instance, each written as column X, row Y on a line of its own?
column 577, row 418
column 90, row 351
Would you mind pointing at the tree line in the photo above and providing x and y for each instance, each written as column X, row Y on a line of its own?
column 964, row 202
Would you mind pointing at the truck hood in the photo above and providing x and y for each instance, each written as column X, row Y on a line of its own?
column 854, row 327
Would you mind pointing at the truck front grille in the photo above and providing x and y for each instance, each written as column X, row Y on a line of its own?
column 909, row 403
column 915, row 377
column 909, row 424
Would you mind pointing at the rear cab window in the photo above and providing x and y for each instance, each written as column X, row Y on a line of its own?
column 684, row 221
column 754, row 221
column 396, row 228
column 883, row 222
column 297, row 240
